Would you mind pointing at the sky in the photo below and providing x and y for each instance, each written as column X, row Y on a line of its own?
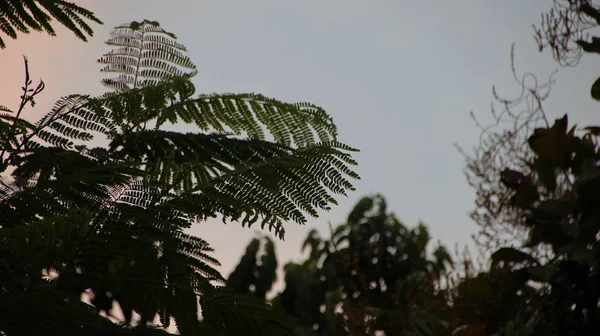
column 398, row 77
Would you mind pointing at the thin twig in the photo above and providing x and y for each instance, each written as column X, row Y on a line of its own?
column 25, row 98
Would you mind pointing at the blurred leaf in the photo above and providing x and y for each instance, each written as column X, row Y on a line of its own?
column 438, row 327
column 475, row 329
column 570, row 229
column 595, row 92
column 588, row 173
column 546, row 172
column 542, row 273
column 580, row 252
column 524, row 198
column 561, row 125
column 509, row 254
column 514, row 281
column 572, row 131
column 360, row 210
column 556, row 206
column 510, row 329
column 423, row 327
column 551, row 143
column 478, row 286
column 535, row 237
column 543, row 144
column 595, row 130
column 526, row 191
column 513, row 179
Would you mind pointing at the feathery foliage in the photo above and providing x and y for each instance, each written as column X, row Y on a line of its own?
column 143, row 54
column 22, row 16
column 108, row 223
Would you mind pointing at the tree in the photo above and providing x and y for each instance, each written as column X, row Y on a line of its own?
column 108, row 222
column 256, row 271
column 372, row 275
column 550, row 186
column 503, row 145
column 19, row 16
column 557, row 295
column 565, row 30
column 566, row 300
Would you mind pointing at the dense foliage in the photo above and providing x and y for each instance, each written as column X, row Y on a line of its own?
column 371, row 275
column 550, row 192
column 567, row 31
column 22, row 16
column 106, row 223
column 256, row 271
column 95, row 198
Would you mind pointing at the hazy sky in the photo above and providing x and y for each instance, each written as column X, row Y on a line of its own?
column 399, row 78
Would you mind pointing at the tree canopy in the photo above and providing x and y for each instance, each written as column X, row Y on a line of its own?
column 373, row 274
column 106, row 223
column 93, row 233
column 540, row 181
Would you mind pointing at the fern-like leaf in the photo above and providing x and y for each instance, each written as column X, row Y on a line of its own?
column 110, row 221
column 292, row 124
column 22, row 15
column 143, row 55
column 235, row 178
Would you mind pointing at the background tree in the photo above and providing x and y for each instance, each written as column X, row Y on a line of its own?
column 373, row 274
column 557, row 295
column 382, row 270
column 256, row 271
column 548, row 183
column 502, row 145
column 566, row 30
column 108, row 222
column 566, row 300
column 22, row 16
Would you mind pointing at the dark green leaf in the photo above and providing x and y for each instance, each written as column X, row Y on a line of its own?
column 541, row 273
column 595, row 130
column 546, row 172
column 511, row 255
column 595, row 91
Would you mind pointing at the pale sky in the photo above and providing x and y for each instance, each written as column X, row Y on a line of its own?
column 399, row 78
